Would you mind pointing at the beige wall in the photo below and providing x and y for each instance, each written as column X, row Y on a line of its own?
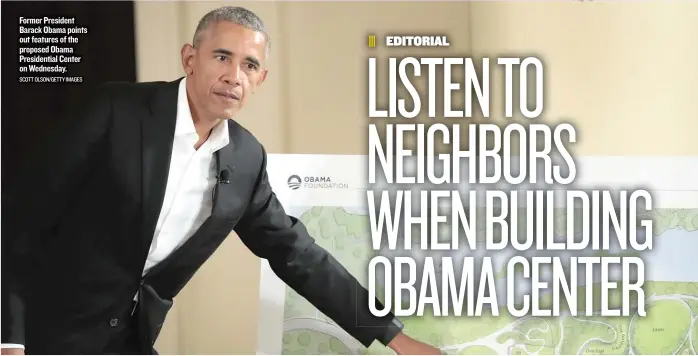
column 625, row 73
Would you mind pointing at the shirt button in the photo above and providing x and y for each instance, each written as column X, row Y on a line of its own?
column 114, row 322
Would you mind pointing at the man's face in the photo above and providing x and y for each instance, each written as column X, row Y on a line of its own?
column 224, row 70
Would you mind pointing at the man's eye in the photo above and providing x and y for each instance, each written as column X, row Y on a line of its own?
column 222, row 58
column 251, row 66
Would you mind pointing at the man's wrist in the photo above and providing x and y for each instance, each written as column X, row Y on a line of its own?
column 393, row 329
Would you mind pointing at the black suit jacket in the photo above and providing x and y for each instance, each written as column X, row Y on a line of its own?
column 78, row 225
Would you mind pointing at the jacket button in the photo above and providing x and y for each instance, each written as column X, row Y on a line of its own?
column 114, row 322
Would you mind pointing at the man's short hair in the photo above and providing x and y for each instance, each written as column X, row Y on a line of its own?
column 237, row 15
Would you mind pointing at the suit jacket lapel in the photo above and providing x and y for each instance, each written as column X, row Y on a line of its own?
column 157, row 135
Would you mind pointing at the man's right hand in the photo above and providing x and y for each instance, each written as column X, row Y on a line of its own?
column 12, row 351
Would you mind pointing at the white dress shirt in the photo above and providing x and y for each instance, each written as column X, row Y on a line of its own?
column 188, row 195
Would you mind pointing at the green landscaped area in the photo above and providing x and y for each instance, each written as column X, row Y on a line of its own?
column 305, row 343
column 693, row 341
column 667, row 324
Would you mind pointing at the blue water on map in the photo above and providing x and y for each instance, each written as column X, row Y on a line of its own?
column 674, row 257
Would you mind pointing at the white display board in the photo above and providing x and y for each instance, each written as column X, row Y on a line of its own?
column 341, row 191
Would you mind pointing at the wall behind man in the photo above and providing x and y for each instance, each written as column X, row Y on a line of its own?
column 622, row 72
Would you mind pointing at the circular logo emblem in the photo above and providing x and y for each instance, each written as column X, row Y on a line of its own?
column 294, row 182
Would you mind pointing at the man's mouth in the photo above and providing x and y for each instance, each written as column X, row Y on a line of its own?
column 228, row 95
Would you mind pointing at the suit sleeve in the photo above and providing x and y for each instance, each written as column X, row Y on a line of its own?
column 32, row 203
column 309, row 269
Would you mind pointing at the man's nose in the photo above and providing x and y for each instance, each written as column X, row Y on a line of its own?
column 234, row 77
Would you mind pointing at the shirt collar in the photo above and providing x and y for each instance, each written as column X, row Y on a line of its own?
column 184, row 128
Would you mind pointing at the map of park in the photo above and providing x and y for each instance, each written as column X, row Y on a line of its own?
column 671, row 325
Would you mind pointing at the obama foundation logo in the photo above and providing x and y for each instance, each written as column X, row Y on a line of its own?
column 294, row 182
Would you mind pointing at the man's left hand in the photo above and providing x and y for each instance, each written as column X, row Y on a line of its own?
column 405, row 345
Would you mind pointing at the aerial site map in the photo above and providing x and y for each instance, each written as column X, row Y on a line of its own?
column 341, row 226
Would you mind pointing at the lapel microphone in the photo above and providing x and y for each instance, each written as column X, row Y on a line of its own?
column 223, row 177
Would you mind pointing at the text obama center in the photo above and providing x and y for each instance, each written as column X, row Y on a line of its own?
column 392, row 214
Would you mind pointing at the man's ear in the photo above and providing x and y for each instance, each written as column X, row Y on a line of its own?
column 188, row 52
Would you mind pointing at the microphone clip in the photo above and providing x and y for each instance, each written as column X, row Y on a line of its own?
column 223, row 177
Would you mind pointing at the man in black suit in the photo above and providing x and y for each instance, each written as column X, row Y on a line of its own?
column 139, row 190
